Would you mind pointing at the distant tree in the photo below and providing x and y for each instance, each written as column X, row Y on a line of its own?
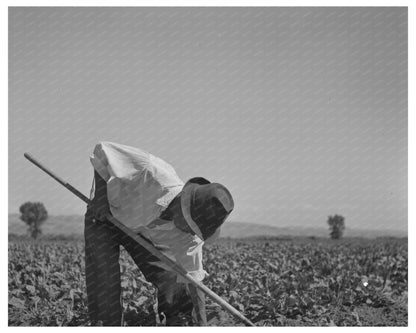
column 336, row 226
column 33, row 214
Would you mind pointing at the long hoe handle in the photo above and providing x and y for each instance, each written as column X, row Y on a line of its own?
column 148, row 246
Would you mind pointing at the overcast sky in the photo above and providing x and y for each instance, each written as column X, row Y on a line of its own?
column 300, row 112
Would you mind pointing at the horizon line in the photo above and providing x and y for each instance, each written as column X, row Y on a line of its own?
column 273, row 226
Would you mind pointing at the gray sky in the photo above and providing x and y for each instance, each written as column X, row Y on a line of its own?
column 300, row 112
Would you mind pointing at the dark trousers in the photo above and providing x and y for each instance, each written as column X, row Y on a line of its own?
column 102, row 249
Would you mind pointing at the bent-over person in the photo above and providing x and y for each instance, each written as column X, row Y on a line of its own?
column 145, row 194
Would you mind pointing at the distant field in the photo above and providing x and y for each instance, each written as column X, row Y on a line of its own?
column 301, row 282
column 74, row 225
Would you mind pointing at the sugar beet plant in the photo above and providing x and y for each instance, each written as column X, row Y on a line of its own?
column 274, row 283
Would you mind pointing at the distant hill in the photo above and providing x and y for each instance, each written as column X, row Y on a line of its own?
column 243, row 229
column 74, row 225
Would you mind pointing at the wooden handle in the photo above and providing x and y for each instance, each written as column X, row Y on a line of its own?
column 57, row 178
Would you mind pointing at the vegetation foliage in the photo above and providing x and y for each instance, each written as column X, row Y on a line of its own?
column 274, row 283
column 336, row 226
column 33, row 214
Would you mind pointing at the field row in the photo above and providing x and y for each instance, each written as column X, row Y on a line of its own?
column 274, row 283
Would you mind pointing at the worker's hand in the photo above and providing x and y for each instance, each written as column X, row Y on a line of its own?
column 100, row 209
column 101, row 213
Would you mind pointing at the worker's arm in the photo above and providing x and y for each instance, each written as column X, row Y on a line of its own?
column 198, row 300
column 189, row 256
column 187, row 251
column 99, row 203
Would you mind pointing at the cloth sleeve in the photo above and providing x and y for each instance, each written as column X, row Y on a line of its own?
column 190, row 258
column 183, row 248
